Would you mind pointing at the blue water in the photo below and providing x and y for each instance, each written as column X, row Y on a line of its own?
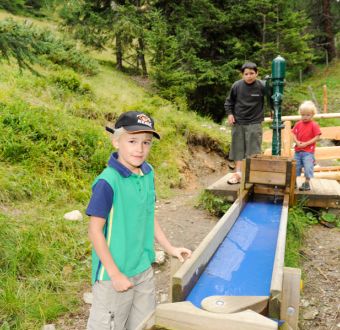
column 243, row 264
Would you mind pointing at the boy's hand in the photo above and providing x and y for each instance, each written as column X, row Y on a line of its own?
column 181, row 253
column 231, row 120
column 121, row 283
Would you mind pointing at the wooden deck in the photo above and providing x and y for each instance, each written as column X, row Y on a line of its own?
column 324, row 193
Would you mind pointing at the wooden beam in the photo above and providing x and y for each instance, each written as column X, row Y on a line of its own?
column 317, row 116
column 234, row 304
column 326, row 169
column 327, row 133
column 185, row 316
column 277, row 275
column 188, row 274
column 291, row 296
column 320, row 152
column 330, row 175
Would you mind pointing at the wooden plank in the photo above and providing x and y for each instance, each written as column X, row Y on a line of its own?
column 277, row 275
column 328, row 175
column 185, row 316
column 221, row 187
column 317, row 116
column 330, row 133
column 292, row 184
column 326, row 169
column 175, row 265
column 267, row 178
column 320, row 188
column 320, row 152
column 327, row 133
column 327, row 152
column 291, row 296
column 234, row 304
column 268, row 190
column 319, row 196
column 187, row 275
column 268, row 165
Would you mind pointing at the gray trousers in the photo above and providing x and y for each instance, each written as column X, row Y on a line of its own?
column 112, row 310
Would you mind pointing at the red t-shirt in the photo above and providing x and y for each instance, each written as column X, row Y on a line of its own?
column 305, row 131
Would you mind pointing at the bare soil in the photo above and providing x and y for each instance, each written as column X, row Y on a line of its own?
column 186, row 225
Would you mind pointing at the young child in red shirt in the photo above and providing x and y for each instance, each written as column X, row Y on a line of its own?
column 305, row 133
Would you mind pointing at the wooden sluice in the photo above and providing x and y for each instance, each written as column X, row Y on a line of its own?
column 280, row 303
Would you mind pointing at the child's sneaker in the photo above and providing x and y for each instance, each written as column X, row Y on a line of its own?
column 305, row 186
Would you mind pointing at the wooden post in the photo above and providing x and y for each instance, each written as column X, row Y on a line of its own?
column 325, row 100
column 287, row 138
column 291, row 296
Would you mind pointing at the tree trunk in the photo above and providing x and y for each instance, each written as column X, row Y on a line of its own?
column 119, row 52
column 141, row 57
column 328, row 28
column 264, row 27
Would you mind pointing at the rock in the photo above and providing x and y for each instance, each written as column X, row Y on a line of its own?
column 310, row 313
column 338, row 325
column 73, row 216
column 160, row 257
column 88, row 297
column 48, row 327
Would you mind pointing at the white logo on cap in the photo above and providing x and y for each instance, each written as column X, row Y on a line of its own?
column 144, row 120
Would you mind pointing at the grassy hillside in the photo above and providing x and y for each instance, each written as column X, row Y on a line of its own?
column 52, row 145
column 312, row 89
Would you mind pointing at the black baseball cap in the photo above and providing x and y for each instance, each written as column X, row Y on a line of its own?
column 134, row 122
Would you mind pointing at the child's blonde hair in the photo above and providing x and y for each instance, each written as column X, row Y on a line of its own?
column 118, row 132
column 309, row 106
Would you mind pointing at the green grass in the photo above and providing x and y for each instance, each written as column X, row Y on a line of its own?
column 299, row 219
column 295, row 92
column 52, row 145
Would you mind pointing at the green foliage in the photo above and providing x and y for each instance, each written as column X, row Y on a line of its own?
column 312, row 86
column 216, row 205
column 71, row 81
column 299, row 219
column 27, row 44
column 331, row 218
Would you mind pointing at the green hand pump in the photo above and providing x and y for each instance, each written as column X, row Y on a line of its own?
column 277, row 78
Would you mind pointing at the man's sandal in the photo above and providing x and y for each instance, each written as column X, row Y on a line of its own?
column 235, row 179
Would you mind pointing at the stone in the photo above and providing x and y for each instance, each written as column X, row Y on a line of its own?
column 48, row 327
column 73, row 216
column 88, row 297
column 160, row 257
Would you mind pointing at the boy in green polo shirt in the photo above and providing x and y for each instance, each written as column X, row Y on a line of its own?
column 122, row 229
